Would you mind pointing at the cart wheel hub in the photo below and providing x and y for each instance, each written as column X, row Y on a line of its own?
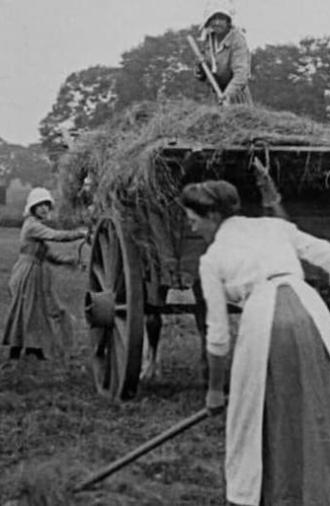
column 100, row 308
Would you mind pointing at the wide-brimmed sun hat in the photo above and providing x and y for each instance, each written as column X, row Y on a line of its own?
column 37, row 196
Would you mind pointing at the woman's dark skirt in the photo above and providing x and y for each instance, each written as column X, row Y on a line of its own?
column 296, row 429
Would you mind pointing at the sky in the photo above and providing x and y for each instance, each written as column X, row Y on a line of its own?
column 43, row 41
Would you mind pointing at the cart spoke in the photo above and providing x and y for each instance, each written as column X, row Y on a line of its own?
column 107, row 365
column 98, row 277
column 111, row 257
column 120, row 289
column 104, row 245
column 121, row 310
column 105, row 254
column 115, row 264
column 95, row 255
column 100, row 363
column 97, row 338
column 118, row 357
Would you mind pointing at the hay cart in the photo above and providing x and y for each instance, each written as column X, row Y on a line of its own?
column 140, row 249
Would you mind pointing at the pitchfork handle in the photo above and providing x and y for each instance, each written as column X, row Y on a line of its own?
column 143, row 449
column 208, row 73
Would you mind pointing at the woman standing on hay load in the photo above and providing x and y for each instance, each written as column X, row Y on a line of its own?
column 278, row 418
column 227, row 53
column 36, row 322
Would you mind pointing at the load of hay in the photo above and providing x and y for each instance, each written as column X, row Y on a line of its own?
column 123, row 160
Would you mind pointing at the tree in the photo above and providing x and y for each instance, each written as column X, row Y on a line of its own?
column 293, row 77
column 315, row 66
column 84, row 101
column 160, row 66
column 29, row 164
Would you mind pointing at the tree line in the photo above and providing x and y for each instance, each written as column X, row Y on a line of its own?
column 290, row 77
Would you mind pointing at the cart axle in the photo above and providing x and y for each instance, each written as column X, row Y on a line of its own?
column 182, row 309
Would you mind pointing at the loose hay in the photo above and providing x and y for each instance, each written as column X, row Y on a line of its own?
column 133, row 178
column 123, row 159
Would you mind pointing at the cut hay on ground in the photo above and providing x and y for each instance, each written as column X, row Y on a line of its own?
column 124, row 158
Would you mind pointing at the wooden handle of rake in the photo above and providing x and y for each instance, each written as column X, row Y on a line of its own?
column 205, row 67
column 143, row 449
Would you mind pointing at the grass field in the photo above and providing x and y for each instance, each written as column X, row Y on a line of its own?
column 54, row 430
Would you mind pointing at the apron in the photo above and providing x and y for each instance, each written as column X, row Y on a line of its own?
column 244, row 427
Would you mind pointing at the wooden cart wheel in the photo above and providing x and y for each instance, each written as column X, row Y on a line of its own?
column 115, row 266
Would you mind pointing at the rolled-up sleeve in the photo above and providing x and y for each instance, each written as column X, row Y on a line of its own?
column 316, row 251
column 218, row 336
column 34, row 229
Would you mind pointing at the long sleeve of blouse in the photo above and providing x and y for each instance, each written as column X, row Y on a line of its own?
column 38, row 231
column 316, row 251
column 240, row 66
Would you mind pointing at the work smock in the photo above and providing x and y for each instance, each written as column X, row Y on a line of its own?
column 230, row 62
column 36, row 317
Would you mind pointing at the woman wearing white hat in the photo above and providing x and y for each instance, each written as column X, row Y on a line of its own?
column 36, row 322
column 227, row 53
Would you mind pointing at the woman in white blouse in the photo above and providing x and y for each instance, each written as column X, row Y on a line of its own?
column 278, row 419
